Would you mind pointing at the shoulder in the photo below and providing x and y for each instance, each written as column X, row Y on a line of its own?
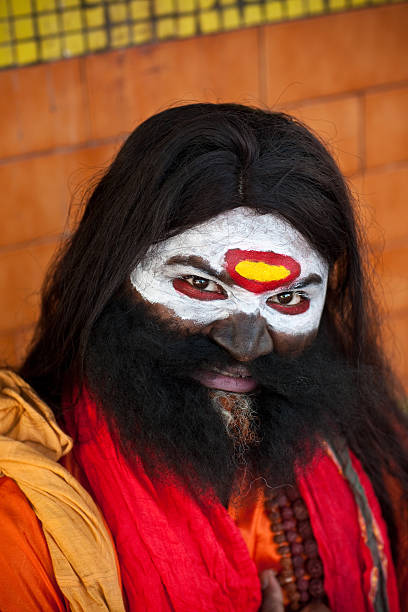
column 27, row 580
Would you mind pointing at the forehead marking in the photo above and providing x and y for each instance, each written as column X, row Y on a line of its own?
column 259, row 271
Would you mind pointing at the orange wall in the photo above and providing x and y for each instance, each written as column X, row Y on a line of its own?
column 346, row 75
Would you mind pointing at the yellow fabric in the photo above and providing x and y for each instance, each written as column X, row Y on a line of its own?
column 31, row 444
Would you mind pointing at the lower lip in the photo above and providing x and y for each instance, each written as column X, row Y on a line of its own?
column 213, row 380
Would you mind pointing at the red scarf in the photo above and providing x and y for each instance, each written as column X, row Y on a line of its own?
column 175, row 554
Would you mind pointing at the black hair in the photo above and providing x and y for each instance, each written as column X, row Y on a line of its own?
column 184, row 166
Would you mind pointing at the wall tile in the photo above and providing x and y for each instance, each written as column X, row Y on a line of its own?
column 36, row 192
column 125, row 88
column 338, row 122
column 337, row 53
column 386, row 126
column 392, row 277
column 396, row 341
column 44, row 106
column 21, row 275
column 109, row 108
column 8, row 353
column 384, row 197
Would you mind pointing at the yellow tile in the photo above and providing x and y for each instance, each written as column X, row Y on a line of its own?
column 120, row 36
column 358, row 3
column 94, row 16
column 45, row 5
column 50, row 48
column 139, row 9
column 315, row 6
column 337, row 5
column 26, row 52
column 166, row 28
column 186, row 6
column 97, row 39
column 227, row 2
column 186, row 25
column 206, row 4
column 141, row 32
column 3, row 10
column 231, row 18
column 72, row 20
column 21, row 7
column 73, row 44
column 71, row 3
column 295, row 8
column 47, row 24
column 253, row 14
column 24, row 28
column 380, row 1
column 164, row 7
column 118, row 12
column 5, row 35
column 6, row 56
column 273, row 11
column 209, row 21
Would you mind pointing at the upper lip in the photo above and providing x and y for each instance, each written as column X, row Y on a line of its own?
column 236, row 371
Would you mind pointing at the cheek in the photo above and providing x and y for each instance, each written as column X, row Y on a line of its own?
column 165, row 315
column 292, row 345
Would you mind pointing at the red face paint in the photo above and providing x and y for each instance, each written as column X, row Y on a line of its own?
column 199, row 294
column 259, row 271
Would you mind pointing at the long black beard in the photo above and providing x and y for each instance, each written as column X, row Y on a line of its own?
column 139, row 371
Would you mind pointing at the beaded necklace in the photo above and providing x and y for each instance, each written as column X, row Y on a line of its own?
column 301, row 574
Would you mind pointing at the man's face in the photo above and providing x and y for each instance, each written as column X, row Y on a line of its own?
column 249, row 282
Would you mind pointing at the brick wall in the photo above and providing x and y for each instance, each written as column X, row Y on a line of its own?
column 345, row 75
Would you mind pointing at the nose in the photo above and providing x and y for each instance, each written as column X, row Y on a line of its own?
column 245, row 337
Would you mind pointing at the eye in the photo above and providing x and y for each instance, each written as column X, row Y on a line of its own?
column 199, row 288
column 289, row 302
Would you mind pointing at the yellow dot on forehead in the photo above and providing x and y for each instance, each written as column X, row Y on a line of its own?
column 261, row 272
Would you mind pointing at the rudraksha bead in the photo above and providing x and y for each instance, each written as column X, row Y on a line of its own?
column 304, row 596
column 291, row 536
column 316, row 588
column 286, row 563
column 299, row 572
column 287, row 513
column 279, row 538
column 302, row 584
column 273, row 514
column 291, row 590
column 300, row 510
column 289, row 524
column 282, row 500
column 292, row 493
column 297, row 561
column 305, row 529
column 276, row 525
column 284, row 550
column 296, row 548
column 311, row 550
column 314, row 568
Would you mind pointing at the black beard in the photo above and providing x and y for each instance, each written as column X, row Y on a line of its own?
column 139, row 372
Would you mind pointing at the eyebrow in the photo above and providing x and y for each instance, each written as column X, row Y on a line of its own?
column 311, row 279
column 201, row 265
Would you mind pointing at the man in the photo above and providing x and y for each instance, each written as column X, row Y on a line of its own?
column 209, row 342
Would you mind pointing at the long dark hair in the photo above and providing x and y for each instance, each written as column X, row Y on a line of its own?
column 182, row 167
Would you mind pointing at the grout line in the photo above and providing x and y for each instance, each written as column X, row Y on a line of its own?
column 87, row 144
column 341, row 95
column 362, row 135
column 262, row 67
column 18, row 246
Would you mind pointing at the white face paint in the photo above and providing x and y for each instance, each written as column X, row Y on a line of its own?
column 242, row 229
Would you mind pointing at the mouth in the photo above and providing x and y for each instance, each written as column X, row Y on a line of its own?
column 235, row 378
